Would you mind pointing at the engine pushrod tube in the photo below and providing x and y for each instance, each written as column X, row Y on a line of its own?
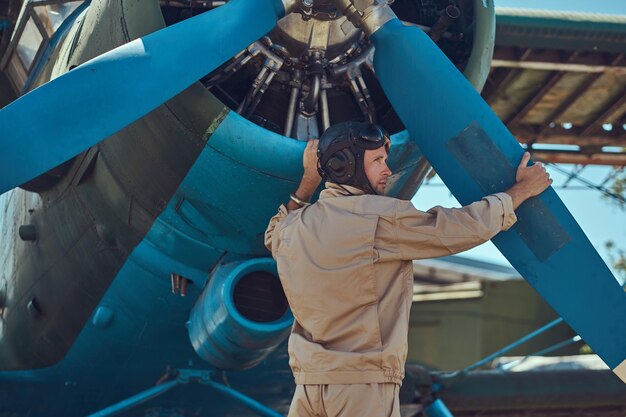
column 244, row 400
column 324, row 110
column 310, row 101
column 136, row 400
column 291, row 111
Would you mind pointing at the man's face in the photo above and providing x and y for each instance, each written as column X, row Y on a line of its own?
column 376, row 169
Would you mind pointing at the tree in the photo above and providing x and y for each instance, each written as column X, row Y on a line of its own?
column 618, row 255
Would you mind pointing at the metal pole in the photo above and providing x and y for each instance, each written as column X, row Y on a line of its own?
column 509, row 365
column 291, row 111
column 135, row 400
column 253, row 405
column 437, row 409
column 513, row 345
column 324, row 109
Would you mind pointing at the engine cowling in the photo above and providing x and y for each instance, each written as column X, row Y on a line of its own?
column 241, row 316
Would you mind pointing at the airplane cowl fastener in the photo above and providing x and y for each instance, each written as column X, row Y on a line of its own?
column 33, row 308
column 28, row 232
column 103, row 317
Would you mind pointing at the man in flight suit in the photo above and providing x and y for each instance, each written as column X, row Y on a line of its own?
column 345, row 264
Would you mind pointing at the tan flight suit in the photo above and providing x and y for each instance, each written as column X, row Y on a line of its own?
column 345, row 264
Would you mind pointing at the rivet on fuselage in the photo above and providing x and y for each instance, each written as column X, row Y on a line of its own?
column 28, row 232
column 33, row 308
column 103, row 317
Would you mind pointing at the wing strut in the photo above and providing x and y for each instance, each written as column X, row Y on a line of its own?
column 185, row 376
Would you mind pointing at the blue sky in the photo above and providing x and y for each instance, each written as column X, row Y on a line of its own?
column 599, row 219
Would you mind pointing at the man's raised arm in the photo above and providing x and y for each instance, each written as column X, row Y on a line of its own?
column 444, row 231
column 302, row 196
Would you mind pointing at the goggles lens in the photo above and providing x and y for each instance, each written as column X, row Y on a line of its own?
column 372, row 137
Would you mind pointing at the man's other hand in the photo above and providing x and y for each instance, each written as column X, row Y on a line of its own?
column 530, row 181
column 310, row 179
column 309, row 163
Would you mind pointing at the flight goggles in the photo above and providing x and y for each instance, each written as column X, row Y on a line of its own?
column 371, row 137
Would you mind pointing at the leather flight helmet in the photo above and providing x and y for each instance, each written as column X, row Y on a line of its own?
column 341, row 151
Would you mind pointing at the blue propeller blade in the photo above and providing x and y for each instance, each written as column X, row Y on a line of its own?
column 64, row 117
column 475, row 155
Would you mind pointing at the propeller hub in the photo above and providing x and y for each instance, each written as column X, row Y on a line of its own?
column 369, row 15
column 315, row 68
column 322, row 28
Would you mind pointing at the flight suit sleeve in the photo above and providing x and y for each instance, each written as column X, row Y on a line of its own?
column 271, row 234
column 446, row 231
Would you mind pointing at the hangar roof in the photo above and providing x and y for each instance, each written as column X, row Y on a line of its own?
column 558, row 81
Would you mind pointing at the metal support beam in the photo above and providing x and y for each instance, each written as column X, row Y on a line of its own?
column 135, row 400
column 607, row 192
column 185, row 376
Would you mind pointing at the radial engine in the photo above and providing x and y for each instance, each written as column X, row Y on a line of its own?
column 315, row 68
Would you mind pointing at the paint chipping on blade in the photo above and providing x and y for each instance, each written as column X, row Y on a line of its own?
column 216, row 122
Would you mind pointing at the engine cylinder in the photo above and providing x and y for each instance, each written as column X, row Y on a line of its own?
column 241, row 316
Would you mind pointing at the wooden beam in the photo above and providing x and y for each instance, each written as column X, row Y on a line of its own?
column 563, row 157
column 499, row 80
column 565, row 105
column 568, row 137
column 503, row 78
column 611, row 108
column 548, row 66
column 536, row 98
column 555, row 60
